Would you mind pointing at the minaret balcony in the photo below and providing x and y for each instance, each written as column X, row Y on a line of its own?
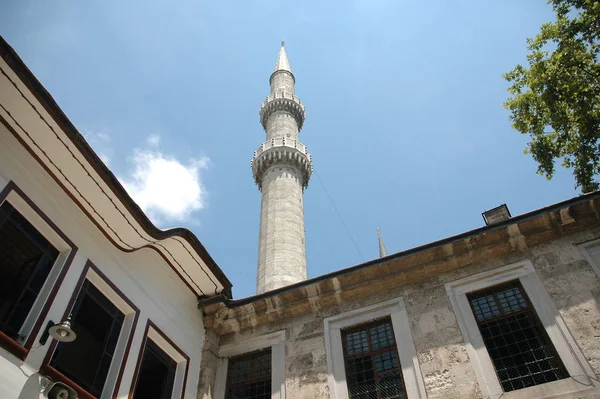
column 282, row 102
column 282, row 151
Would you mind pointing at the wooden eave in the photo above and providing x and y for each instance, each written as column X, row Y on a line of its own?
column 32, row 116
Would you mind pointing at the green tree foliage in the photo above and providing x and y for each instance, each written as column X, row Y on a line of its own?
column 557, row 99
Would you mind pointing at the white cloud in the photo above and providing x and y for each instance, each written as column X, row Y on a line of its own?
column 163, row 186
column 153, row 141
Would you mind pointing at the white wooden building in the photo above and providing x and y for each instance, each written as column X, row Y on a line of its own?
column 73, row 243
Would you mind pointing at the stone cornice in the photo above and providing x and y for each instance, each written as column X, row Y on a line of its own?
column 282, row 151
column 282, row 102
column 412, row 266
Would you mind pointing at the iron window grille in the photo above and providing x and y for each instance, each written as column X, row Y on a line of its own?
column 249, row 375
column 156, row 374
column 26, row 259
column 371, row 361
column 515, row 338
column 97, row 323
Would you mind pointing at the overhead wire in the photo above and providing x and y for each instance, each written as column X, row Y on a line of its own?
column 339, row 215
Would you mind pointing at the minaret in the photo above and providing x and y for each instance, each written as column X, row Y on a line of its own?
column 281, row 167
column 382, row 250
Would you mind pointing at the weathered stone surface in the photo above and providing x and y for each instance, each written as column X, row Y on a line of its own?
column 208, row 366
column 420, row 280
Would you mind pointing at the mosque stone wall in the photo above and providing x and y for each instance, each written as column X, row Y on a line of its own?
column 445, row 366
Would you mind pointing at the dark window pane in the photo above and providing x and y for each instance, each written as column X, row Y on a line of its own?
column 26, row 258
column 20, row 311
column 371, row 360
column 86, row 360
column 113, row 335
column 381, row 336
column 102, row 372
column 249, row 375
column 357, row 342
column 516, row 340
column 42, row 271
column 156, row 374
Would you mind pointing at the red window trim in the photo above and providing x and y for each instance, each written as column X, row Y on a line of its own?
column 22, row 350
column 149, row 324
column 56, row 375
column 52, row 372
column 13, row 346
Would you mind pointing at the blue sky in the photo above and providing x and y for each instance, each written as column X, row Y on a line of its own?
column 404, row 112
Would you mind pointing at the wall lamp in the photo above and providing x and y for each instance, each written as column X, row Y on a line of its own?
column 62, row 332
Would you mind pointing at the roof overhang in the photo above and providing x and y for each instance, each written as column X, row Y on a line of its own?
column 32, row 116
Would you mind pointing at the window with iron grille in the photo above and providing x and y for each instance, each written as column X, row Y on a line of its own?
column 26, row 259
column 249, row 375
column 371, row 361
column 97, row 323
column 156, row 374
column 515, row 339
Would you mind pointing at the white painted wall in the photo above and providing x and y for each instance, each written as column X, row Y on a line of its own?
column 142, row 276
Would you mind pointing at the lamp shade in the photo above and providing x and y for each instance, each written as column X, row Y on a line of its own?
column 62, row 332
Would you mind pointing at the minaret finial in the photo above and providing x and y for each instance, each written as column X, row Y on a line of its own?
column 382, row 250
column 282, row 43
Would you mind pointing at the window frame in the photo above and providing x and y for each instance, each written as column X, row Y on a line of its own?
column 371, row 353
column 276, row 341
column 581, row 375
column 159, row 338
column 32, row 325
column 407, row 354
column 584, row 248
column 249, row 381
column 130, row 310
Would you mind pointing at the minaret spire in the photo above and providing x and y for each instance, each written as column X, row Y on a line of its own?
column 281, row 167
column 382, row 250
column 282, row 64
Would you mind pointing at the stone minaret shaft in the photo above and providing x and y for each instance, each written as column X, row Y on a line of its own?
column 281, row 167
